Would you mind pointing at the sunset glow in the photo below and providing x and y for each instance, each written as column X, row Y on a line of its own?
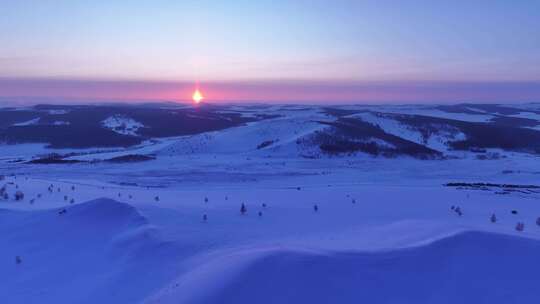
column 197, row 96
column 281, row 51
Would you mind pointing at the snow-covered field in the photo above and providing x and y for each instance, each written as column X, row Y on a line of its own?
column 349, row 229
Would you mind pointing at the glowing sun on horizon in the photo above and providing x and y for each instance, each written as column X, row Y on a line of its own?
column 197, row 96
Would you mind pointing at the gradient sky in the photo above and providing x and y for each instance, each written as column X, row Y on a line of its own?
column 307, row 51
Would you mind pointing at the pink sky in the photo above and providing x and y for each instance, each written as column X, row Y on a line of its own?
column 277, row 91
column 309, row 51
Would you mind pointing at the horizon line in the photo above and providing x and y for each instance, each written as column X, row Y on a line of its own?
column 272, row 91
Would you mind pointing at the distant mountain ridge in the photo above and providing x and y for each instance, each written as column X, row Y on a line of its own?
column 418, row 131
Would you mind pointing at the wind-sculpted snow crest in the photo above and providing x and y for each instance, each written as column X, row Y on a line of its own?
column 468, row 267
column 80, row 254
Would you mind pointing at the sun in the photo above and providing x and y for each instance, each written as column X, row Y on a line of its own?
column 197, row 96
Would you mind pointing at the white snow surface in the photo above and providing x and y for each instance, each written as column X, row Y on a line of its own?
column 122, row 124
column 30, row 122
column 116, row 244
column 276, row 137
column 383, row 232
column 58, row 112
column 437, row 141
column 418, row 110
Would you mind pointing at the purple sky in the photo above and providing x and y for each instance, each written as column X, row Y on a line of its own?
column 275, row 91
column 288, row 51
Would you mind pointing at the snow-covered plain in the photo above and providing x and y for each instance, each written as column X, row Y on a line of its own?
column 350, row 229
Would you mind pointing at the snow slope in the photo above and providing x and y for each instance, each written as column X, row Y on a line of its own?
column 379, row 249
column 429, row 111
column 169, row 230
column 30, row 122
column 436, row 141
column 469, row 267
column 277, row 136
column 84, row 255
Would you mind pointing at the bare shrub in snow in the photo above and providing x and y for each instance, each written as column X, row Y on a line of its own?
column 520, row 226
column 19, row 196
column 493, row 218
column 243, row 209
column 3, row 192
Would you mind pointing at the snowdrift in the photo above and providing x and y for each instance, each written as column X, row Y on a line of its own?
column 470, row 267
column 96, row 252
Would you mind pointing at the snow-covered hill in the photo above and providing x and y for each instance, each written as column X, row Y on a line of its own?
column 271, row 204
column 438, row 139
column 278, row 137
column 77, row 254
column 460, row 268
column 279, row 131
